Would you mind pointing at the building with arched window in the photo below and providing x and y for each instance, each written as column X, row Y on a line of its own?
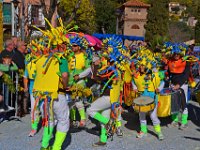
column 134, row 18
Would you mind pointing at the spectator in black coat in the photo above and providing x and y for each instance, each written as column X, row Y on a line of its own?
column 8, row 50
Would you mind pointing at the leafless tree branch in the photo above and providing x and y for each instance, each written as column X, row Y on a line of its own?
column 74, row 11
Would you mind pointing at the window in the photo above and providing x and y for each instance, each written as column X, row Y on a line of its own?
column 35, row 10
column 135, row 26
column 36, row 14
column 7, row 13
column 135, row 10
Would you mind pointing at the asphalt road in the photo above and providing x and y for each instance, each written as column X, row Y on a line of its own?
column 14, row 135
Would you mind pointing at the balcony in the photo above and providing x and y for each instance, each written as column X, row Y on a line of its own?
column 7, row 19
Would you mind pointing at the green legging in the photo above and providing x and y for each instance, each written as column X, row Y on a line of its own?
column 59, row 139
column 47, row 134
column 184, row 118
column 100, row 110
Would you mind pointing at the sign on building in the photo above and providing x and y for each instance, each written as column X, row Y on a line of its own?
column 196, row 49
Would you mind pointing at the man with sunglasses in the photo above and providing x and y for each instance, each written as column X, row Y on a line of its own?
column 77, row 64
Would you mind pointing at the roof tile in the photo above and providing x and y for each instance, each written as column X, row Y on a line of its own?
column 136, row 3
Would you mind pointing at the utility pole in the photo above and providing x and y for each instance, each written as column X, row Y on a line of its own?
column 117, row 14
column 117, row 25
column 23, row 21
column 1, row 25
column 13, row 19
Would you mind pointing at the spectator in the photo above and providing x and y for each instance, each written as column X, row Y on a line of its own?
column 18, row 55
column 15, row 40
column 8, row 51
column 8, row 65
column 18, row 58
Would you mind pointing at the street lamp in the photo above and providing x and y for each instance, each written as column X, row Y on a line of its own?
column 15, row 4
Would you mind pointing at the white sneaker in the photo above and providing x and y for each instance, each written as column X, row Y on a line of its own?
column 2, row 110
column 119, row 132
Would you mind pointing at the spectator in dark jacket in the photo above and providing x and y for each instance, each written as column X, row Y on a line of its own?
column 8, row 51
column 18, row 55
column 18, row 58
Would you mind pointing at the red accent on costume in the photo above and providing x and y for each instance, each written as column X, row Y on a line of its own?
column 177, row 66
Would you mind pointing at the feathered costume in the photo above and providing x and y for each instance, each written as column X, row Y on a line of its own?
column 50, row 66
column 179, row 73
column 148, row 81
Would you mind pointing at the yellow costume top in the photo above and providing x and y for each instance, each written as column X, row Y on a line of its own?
column 127, row 74
column 151, row 85
column 49, row 81
column 31, row 69
column 115, row 90
column 77, row 64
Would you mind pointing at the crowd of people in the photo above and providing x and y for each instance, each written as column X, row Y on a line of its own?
column 12, row 60
column 67, row 74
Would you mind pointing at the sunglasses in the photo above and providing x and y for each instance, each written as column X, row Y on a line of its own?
column 74, row 45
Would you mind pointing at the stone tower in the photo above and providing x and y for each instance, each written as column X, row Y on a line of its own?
column 135, row 17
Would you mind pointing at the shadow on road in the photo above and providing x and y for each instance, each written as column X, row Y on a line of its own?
column 194, row 114
column 67, row 141
column 132, row 120
column 192, row 138
column 9, row 116
column 94, row 130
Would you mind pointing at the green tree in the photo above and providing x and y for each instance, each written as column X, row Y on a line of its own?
column 145, row 1
column 192, row 8
column 105, row 15
column 197, row 27
column 158, row 20
column 183, row 2
column 78, row 12
column 180, row 32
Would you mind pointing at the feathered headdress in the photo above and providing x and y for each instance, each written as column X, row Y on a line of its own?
column 172, row 48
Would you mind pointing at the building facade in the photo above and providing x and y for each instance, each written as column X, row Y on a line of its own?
column 26, row 14
column 135, row 18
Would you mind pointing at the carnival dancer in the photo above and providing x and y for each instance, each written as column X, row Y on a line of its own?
column 179, row 71
column 100, row 109
column 49, row 88
column 29, row 76
column 77, row 64
column 88, row 74
column 48, row 91
column 148, row 83
column 96, row 61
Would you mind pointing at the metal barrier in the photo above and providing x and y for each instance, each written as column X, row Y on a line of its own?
column 11, row 99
